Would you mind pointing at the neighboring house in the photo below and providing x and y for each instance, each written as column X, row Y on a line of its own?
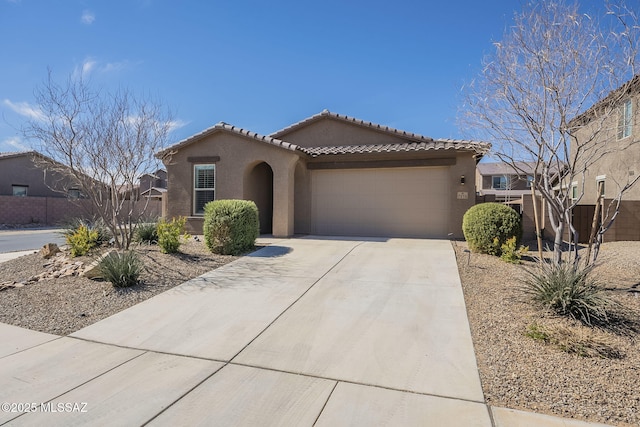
column 619, row 130
column 158, row 179
column 21, row 174
column 153, row 185
column 329, row 174
column 616, row 118
column 27, row 195
column 500, row 180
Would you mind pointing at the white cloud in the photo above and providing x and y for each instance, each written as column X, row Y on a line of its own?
column 16, row 143
column 25, row 109
column 176, row 124
column 92, row 65
column 87, row 17
column 84, row 69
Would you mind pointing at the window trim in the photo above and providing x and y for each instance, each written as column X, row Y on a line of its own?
column 625, row 120
column 574, row 191
column 15, row 186
column 603, row 179
column 196, row 189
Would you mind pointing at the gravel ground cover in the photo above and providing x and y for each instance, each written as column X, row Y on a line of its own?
column 520, row 372
column 516, row 371
column 64, row 305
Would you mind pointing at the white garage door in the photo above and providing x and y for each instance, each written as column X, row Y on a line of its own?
column 393, row 202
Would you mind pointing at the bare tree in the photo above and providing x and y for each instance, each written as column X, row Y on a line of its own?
column 104, row 141
column 533, row 98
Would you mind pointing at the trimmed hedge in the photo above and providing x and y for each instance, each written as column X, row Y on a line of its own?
column 231, row 227
column 488, row 226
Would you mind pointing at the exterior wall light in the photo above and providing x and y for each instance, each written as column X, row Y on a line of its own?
column 461, row 179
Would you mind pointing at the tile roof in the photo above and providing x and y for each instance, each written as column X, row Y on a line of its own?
column 628, row 88
column 224, row 127
column 416, row 142
column 10, row 154
column 444, row 144
column 348, row 119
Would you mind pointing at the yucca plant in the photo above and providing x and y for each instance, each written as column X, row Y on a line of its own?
column 146, row 232
column 122, row 269
column 569, row 289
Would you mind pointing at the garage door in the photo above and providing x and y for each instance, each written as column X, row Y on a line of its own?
column 393, row 202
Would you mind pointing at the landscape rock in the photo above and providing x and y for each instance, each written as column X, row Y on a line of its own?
column 49, row 250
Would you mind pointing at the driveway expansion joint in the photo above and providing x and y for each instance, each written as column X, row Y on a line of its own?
column 296, row 300
column 339, row 380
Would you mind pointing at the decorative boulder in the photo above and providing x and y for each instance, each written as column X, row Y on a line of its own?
column 49, row 250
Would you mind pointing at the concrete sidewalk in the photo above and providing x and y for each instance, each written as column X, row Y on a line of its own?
column 307, row 331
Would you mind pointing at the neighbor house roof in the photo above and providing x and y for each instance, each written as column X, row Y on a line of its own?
column 416, row 142
column 629, row 87
column 8, row 155
column 224, row 127
column 502, row 168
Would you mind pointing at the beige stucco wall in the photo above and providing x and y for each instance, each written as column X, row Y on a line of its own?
column 22, row 170
column 330, row 131
column 619, row 166
column 302, row 199
column 238, row 155
column 465, row 165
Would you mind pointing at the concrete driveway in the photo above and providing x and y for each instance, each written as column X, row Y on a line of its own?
column 306, row 331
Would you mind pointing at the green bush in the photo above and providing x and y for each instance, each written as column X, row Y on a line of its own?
column 96, row 224
column 146, row 232
column 82, row 241
column 488, row 226
column 169, row 234
column 510, row 252
column 568, row 289
column 231, row 227
column 122, row 269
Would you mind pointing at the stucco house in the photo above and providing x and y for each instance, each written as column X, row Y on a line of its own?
column 500, row 179
column 32, row 193
column 22, row 175
column 612, row 124
column 328, row 174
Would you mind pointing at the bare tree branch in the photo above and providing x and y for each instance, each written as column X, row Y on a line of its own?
column 104, row 141
column 532, row 100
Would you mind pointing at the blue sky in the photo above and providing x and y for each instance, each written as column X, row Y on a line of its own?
column 260, row 65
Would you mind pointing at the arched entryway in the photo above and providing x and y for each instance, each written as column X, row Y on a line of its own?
column 258, row 186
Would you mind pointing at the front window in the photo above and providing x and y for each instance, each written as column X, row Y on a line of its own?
column 203, row 187
column 74, row 193
column 625, row 121
column 499, row 182
column 600, row 186
column 20, row 190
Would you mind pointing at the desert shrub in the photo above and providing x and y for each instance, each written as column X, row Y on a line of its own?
column 82, row 241
column 578, row 341
column 96, row 224
column 146, row 232
column 569, row 289
column 170, row 234
column 122, row 269
column 230, row 227
column 510, row 252
column 488, row 226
